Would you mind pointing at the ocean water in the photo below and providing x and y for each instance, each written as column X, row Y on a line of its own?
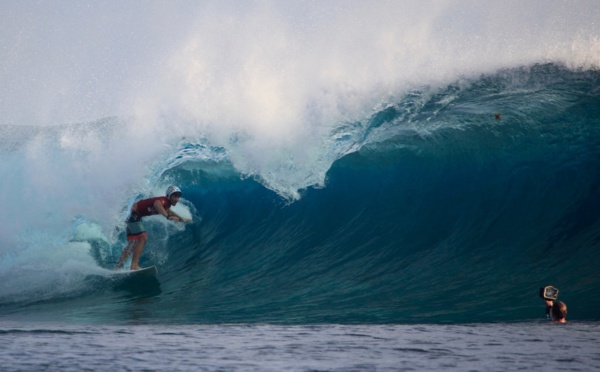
column 475, row 347
column 372, row 187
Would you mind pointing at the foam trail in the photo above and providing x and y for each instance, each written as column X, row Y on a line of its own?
column 58, row 182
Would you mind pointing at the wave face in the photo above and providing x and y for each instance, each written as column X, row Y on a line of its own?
column 461, row 224
column 374, row 164
column 445, row 213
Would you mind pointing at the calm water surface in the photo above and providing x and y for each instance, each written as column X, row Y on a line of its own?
column 500, row 347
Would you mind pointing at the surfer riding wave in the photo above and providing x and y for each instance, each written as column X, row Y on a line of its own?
column 136, row 233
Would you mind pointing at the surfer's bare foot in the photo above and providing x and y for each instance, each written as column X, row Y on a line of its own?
column 136, row 267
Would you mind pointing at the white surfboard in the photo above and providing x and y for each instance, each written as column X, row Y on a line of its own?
column 145, row 271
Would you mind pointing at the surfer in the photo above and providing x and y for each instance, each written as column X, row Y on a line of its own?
column 136, row 234
column 557, row 311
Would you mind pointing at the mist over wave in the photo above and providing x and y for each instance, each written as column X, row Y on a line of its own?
column 272, row 102
column 267, row 81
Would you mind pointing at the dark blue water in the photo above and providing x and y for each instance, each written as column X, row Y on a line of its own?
column 461, row 224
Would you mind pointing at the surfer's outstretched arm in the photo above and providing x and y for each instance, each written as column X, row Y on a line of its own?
column 161, row 209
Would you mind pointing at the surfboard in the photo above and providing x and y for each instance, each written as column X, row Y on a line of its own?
column 145, row 271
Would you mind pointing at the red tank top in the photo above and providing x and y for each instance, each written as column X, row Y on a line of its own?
column 146, row 207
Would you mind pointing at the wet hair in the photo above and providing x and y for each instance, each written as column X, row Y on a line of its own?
column 559, row 310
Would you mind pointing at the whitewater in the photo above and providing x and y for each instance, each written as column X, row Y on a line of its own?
column 389, row 180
